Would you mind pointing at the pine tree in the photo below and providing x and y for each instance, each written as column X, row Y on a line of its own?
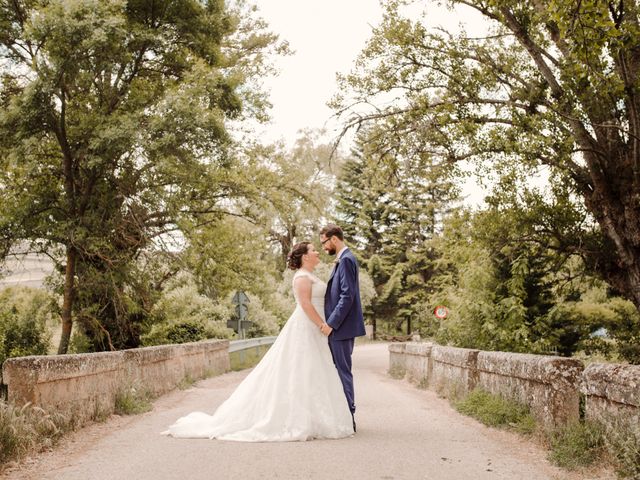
column 390, row 201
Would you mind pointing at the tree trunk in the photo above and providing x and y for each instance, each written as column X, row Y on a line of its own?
column 286, row 242
column 375, row 327
column 68, row 298
column 614, row 204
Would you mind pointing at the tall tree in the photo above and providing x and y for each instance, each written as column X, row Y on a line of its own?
column 289, row 190
column 114, row 128
column 553, row 83
column 391, row 197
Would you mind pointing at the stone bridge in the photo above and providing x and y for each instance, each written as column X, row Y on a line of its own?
column 405, row 430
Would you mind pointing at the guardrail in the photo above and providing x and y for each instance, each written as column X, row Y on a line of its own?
column 247, row 353
column 237, row 345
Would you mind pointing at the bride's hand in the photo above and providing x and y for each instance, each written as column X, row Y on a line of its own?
column 326, row 329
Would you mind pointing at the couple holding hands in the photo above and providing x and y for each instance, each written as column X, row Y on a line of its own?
column 303, row 387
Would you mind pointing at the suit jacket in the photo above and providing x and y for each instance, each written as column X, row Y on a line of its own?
column 342, row 306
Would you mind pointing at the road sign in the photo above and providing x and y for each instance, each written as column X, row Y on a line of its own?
column 240, row 323
column 240, row 298
column 441, row 312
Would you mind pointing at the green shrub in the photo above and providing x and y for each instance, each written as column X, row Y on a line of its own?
column 24, row 313
column 576, row 445
column 80, row 342
column 182, row 314
column 265, row 322
column 496, row 411
column 180, row 332
column 28, row 428
column 623, row 444
column 132, row 401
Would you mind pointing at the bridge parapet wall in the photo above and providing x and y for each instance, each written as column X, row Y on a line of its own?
column 612, row 394
column 454, row 370
column 86, row 385
column 549, row 386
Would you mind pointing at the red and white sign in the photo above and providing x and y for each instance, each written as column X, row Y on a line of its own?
column 440, row 311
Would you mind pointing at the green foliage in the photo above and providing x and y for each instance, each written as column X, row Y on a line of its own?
column 113, row 133
column 133, row 401
column 390, row 200
column 622, row 441
column 265, row 323
column 579, row 444
column 226, row 256
column 547, row 89
column 495, row 411
column 507, row 288
column 182, row 314
column 80, row 342
column 24, row 314
column 288, row 187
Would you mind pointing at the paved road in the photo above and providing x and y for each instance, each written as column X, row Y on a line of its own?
column 403, row 433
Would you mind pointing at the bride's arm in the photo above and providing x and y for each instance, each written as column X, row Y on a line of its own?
column 302, row 286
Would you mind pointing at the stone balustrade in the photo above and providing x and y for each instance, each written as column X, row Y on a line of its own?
column 612, row 394
column 86, row 385
column 550, row 386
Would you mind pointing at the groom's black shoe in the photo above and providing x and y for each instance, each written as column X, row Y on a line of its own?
column 354, row 423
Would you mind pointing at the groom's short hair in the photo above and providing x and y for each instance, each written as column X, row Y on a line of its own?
column 332, row 230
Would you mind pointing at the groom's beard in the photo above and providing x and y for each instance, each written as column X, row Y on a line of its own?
column 331, row 251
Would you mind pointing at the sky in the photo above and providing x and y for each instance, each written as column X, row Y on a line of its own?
column 326, row 38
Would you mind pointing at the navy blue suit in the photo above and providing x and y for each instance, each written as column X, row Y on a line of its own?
column 343, row 313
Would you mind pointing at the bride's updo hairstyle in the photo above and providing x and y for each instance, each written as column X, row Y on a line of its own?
column 294, row 259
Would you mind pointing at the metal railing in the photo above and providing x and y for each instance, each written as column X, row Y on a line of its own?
column 238, row 345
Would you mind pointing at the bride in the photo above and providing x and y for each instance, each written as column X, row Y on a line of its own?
column 294, row 393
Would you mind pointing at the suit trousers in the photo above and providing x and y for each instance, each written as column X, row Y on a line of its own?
column 341, row 351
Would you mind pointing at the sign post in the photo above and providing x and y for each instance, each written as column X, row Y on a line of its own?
column 240, row 323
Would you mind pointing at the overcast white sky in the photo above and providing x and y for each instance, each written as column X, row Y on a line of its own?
column 326, row 38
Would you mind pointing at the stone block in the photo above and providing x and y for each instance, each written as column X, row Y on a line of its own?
column 612, row 393
column 548, row 385
column 453, row 371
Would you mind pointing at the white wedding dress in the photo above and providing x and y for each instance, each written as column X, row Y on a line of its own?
column 293, row 394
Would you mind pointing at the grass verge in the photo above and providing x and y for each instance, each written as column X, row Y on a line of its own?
column 187, row 382
column 132, row 401
column 495, row 411
column 576, row 445
column 397, row 372
column 622, row 441
column 28, row 428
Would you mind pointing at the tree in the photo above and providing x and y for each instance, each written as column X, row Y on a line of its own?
column 24, row 315
column 552, row 83
column 391, row 197
column 289, row 192
column 509, row 286
column 113, row 131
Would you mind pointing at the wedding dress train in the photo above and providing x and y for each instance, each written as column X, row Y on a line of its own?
column 293, row 394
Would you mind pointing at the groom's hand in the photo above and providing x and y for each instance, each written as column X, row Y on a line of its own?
column 326, row 329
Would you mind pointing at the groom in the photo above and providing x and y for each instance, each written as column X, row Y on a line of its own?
column 342, row 308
